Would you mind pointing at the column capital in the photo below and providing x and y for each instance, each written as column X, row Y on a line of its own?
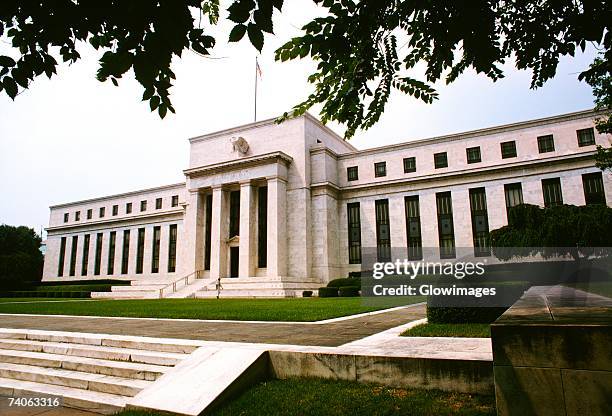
column 245, row 182
column 217, row 187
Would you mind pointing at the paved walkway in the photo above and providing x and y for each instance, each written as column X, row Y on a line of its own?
column 330, row 334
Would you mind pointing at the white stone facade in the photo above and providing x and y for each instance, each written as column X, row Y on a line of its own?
column 304, row 167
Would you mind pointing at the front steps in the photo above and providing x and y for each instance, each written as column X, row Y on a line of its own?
column 96, row 373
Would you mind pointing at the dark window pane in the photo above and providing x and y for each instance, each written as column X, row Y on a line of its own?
column 234, row 223
column 446, row 229
column 440, row 160
column 383, row 232
column 172, row 248
column 546, row 144
column 352, row 173
column 413, row 227
column 140, row 251
column 125, row 255
column 85, row 260
column 111, row 252
column 593, row 188
column 262, row 227
column 155, row 250
column 586, row 137
column 354, row 232
column 158, row 203
column 508, row 149
column 409, row 164
column 62, row 257
column 551, row 188
column 473, row 154
column 480, row 222
column 380, row 169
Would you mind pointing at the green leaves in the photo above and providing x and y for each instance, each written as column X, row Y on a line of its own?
column 252, row 17
column 6, row 61
column 255, row 36
column 237, row 33
column 10, row 87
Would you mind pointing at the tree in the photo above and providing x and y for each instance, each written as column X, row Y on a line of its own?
column 364, row 49
column 21, row 260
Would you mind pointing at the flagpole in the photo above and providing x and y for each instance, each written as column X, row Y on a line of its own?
column 255, row 110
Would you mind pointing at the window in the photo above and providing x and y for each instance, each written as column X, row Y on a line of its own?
column 446, row 229
column 409, row 164
column 143, row 206
column 586, row 137
column 125, row 255
column 234, row 214
column 480, row 222
column 77, row 216
column 413, row 227
column 514, row 195
column 158, row 203
column 155, row 250
column 354, row 232
column 85, row 261
column 66, row 217
column 473, row 154
column 102, row 212
column 174, row 200
column 89, row 214
column 140, row 250
column 440, row 160
column 546, row 144
column 352, row 173
column 593, row 188
column 380, row 169
column 383, row 235
column 207, row 234
column 551, row 188
column 98, row 258
column 172, row 248
column 508, row 149
column 115, row 210
column 62, row 257
column 73, row 254
column 111, row 252
column 128, row 208
column 262, row 227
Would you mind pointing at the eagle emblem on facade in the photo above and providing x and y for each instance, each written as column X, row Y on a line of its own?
column 240, row 145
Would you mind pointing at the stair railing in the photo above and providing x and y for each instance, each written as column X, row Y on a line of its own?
column 187, row 280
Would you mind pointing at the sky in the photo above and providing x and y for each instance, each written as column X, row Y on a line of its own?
column 72, row 137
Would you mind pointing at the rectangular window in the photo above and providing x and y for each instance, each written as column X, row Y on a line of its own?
column 262, row 227
column 112, row 242
column 98, row 258
column 514, row 195
column 155, row 250
column 354, row 232
column 115, row 210
column 473, row 154
column 234, row 212
column 143, row 206
column 440, row 160
column 66, row 217
column 140, row 250
column 73, row 254
column 172, row 248
column 551, row 188
column 446, row 228
column 352, row 173
column 175, row 200
column 409, row 164
column 102, row 212
column 77, row 216
column 546, row 144
column 413, row 227
column 62, row 257
column 380, row 169
column 480, row 222
column 593, row 188
column 128, row 208
column 85, row 261
column 208, row 231
column 508, row 149
column 125, row 255
column 89, row 214
column 383, row 235
column 158, row 203
column 586, row 137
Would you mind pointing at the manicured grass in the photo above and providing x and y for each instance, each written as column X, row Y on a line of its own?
column 298, row 309
column 313, row 397
column 449, row 330
column 599, row 288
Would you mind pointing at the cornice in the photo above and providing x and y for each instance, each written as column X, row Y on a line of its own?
column 323, row 149
column 263, row 159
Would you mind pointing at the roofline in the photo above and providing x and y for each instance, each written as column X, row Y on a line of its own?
column 479, row 132
column 102, row 198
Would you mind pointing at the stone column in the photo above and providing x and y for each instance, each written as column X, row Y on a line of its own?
column 219, row 230
column 277, row 227
column 193, row 235
column 247, row 255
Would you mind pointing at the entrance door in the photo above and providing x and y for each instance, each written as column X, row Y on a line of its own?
column 234, row 261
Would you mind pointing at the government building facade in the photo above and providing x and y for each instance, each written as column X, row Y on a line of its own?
column 273, row 210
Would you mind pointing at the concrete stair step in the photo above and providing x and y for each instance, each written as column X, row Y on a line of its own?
column 133, row 294
column 252, row 293
column 74, row 379
column 76, row 398
column 94, row 351
column 138, row 371
column 140, row 288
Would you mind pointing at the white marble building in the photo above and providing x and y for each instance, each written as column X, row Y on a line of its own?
column 273, row 209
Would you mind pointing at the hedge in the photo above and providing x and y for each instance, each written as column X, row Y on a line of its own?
column 348, row 291
column 43, row 294
column 353, row 282
column 456, row 315
column 328, row 292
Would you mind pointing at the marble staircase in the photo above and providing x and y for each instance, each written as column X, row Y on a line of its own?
column 260, row 287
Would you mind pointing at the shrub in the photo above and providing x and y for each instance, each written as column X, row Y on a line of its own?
column 353, row 282
column 328, row 292
column 463, row 315
column 348, row 291
column 307, row 293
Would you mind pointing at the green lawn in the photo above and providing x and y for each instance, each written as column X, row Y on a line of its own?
column 298, row 309
column 599, row 288
column 450, row 330
column 313, row 397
